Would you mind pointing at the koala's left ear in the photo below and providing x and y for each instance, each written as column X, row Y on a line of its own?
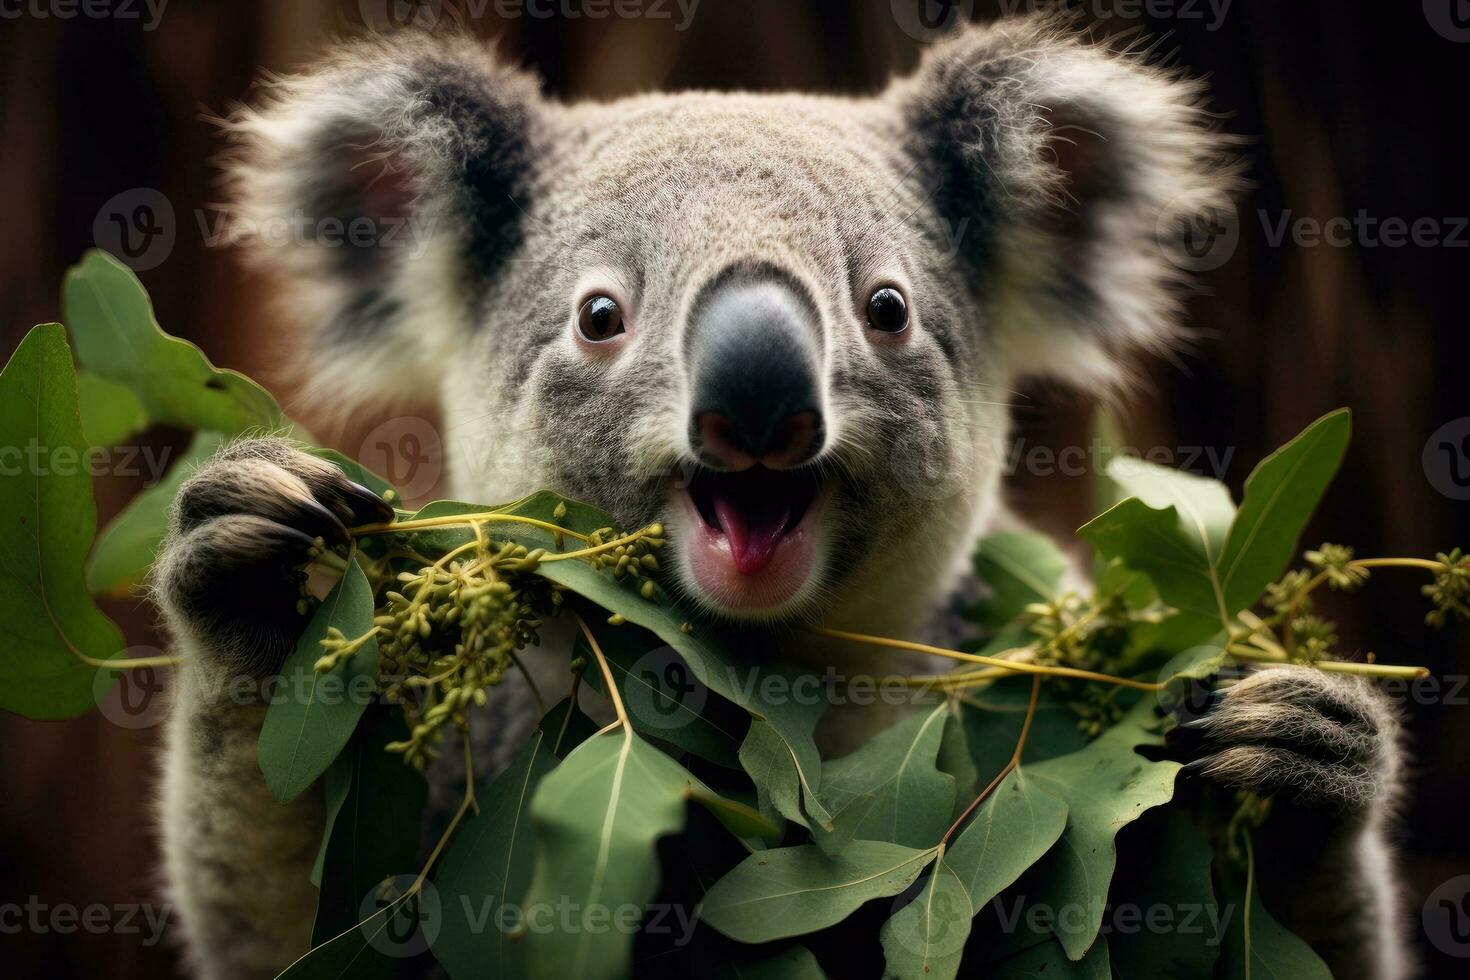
column 1068, row 173
column 383, row 186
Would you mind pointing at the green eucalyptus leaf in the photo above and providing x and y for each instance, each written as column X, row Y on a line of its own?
column 1153, row 541
column 112, row 323
column 127, row 546
column 111, row 413
column 744, row 821
column 1017, row 824
column 1106, row 786
column 1280, row 496
column 49, row 627
column 598, row 818
column 373, row 834
column 992, row 718
column 779, row 751
column 792, row 891
column 1257, row 947
column 891, row 789
column 487, row 869
column 1203, row 504
column 663, row 698
column 954, row 758
column 313, row 714
column 1019, row 569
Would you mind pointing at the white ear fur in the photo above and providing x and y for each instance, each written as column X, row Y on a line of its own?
column 1076, row 268
column 412, row 149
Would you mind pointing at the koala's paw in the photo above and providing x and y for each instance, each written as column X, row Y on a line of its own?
column 1314, row 739
column 244, row 526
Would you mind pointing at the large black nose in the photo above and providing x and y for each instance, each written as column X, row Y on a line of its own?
column 754, row 350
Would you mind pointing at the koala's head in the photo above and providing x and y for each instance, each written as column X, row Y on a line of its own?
column 784, row 325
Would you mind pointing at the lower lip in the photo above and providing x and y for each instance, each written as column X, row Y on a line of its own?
column 712, row 566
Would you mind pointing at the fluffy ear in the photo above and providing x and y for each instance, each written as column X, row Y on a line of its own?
column 1069, row 173
column 383, row 187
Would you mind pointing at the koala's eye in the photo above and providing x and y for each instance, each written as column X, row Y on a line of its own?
column 600, row 319
column 888, row 312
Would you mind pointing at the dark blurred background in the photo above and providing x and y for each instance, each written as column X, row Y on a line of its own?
column 1350, row 108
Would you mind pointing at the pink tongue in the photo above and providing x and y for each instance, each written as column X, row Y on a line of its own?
column 753, row 537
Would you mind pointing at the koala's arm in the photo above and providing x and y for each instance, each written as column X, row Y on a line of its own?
column 229, row 579
column 1328, row 749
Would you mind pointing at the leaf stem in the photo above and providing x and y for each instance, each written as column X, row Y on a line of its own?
column 458, row 520
column 607, row 678
column 975, row 658
column 1010, row 766
column 464, row 807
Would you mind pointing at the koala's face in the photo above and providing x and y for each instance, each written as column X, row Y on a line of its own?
column 722, row 320
column 782, row 325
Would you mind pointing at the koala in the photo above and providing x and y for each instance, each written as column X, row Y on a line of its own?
column 784, row 325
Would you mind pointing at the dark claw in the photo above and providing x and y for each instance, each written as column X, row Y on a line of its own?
column 324, row 522
column 366, row 507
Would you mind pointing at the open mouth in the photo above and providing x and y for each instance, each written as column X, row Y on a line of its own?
column 751, row 540
column 754, row 509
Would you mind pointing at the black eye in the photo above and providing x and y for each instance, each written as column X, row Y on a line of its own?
column 887, row 311
column 600, row 319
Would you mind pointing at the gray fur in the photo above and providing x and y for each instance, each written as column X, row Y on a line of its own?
column 948, row 185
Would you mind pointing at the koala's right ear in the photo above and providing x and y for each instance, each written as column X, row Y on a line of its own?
column 382, row 187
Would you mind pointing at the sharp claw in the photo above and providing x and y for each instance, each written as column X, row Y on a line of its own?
column 326, row 522
column 367, row 507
